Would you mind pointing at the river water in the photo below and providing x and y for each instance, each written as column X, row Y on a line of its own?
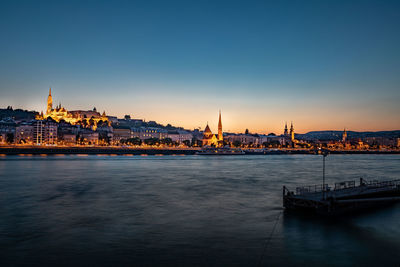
column 76, row 210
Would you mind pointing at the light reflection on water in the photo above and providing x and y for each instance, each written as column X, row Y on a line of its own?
column 192, row 210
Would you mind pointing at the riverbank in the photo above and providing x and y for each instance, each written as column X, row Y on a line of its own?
column 94, row 151
column 49, row 150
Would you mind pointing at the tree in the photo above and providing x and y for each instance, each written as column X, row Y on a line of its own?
column 237, row 143
column 134, row 141
column 272, row 134
column 187, row 142
column 247, row 131
column 104, row 138
column 10, row 138
column 166, row 141
column 152, row 141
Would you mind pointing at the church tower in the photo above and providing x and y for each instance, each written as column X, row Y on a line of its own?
column 49, row 103
column 291, row 132
column 220, row 136
column 285, row 132
column 344, row 137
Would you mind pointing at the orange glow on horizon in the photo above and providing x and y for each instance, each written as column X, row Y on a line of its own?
column 261, row 115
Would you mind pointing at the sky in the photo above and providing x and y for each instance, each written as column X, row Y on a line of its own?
column 324, row 65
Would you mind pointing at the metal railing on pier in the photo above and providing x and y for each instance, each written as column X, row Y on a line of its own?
column 303, row 190
column 311, row 189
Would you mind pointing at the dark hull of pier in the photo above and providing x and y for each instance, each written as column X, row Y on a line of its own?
column 341, row 206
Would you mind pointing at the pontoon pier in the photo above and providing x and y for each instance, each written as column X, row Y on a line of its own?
column 343, row 198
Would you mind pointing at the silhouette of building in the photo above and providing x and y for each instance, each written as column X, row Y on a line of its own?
column 285, row 132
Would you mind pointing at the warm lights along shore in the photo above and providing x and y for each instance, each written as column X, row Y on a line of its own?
column 57, row 150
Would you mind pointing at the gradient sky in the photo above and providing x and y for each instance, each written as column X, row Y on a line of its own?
column 324, row 65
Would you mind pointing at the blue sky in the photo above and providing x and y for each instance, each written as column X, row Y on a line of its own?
column 323, row 64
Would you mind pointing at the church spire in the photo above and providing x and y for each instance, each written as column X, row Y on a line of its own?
column 285, row 132
column 49, row 103
column 220, row 136
column 291, row 131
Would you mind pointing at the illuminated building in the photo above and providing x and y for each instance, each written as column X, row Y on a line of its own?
column 45, row 132
column 242, row 139
column 87, row 119
column 344, row 137
column 68, row 139
column 180, row 135
column 292, row 132
column 88, row 137
column 209, row 139
column 220, row 136
column 121, row 133
column 7, row 131
column 24, row 134
column 144, row 133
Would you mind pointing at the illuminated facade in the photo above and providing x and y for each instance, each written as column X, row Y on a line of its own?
column 210, row 139
column 24, row 134
column 45, row 132
column 292, row 132
column 88, row 119
column 220, row 136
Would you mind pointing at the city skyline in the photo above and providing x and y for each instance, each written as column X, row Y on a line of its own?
column 210, row 122
column 324, row 66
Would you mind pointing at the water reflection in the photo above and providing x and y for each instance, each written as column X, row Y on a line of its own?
column 192, row 210
column 359, row 240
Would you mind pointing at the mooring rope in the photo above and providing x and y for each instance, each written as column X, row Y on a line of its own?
column 269, row 239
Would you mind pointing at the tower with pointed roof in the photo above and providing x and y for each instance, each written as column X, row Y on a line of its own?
column 291, row 131
column 209, row 139
column 344, row 137
column 220, row 136
column 285, row 132
column 49, row 102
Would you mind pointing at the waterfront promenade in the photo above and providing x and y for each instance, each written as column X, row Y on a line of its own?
column 117, row 150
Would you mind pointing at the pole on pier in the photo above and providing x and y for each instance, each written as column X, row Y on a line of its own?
column 324, row 153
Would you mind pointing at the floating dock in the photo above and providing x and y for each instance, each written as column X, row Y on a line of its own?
column 345, row 197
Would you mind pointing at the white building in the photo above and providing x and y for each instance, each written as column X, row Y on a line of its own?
column 180, row 135
column 45, row 132
column 144, row 133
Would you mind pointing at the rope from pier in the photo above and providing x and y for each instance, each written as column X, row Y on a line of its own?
column 267, row 241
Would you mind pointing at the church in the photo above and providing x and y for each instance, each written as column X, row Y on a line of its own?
column 88, row 118
column 210, row 139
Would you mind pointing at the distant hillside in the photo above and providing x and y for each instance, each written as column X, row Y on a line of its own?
column 337, row 135
column 17, row 114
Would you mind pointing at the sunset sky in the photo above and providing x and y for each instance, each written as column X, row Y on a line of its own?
column 324, row 65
